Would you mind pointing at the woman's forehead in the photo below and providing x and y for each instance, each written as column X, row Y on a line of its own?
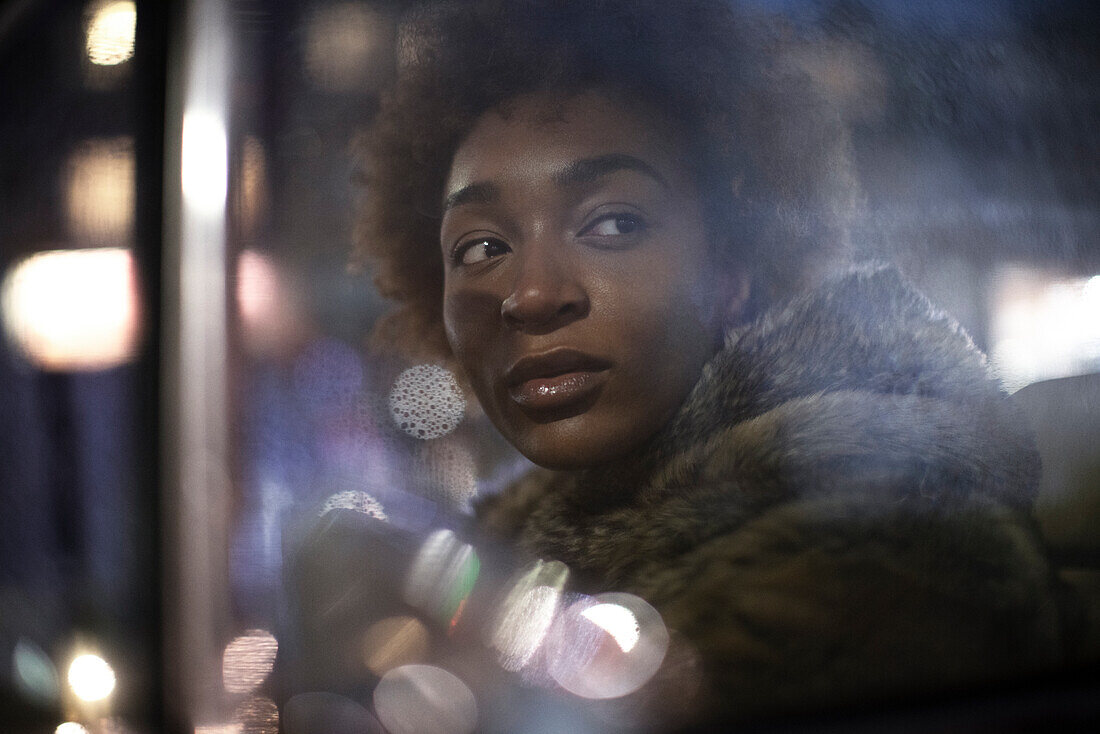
column 544, row 135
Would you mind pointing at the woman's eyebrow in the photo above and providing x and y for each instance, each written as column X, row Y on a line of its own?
column 588, row 170
column 475, row 193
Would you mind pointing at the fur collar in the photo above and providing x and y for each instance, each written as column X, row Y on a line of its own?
column 857, row 390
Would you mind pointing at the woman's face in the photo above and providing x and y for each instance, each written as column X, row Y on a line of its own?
column 579, row 296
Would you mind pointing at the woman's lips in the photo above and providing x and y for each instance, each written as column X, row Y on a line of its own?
column 547, row 393
column 555, row 379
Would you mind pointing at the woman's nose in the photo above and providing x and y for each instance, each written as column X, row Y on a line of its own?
column 544, row 297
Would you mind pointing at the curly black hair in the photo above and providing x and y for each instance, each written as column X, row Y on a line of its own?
column 767, row 150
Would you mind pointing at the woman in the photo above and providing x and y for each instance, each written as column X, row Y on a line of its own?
column 623, row 222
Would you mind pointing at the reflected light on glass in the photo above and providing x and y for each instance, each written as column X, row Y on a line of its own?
column 91, row 678
column 109, row 39
column 205, row 166
column 607, row 646
column 393, row 642
column 424, row 699
column 34, row 672
column 73, row 309
column 257, row 715
column 218, row 729
column 1044, row 326
column 99, row 191
column 70, row 727
column 248, row 660
column 426, row 402
column 442, row 576
column 527, row 612
column 340, row 39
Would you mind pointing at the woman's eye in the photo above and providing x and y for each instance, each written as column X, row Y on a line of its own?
column 614, row 225
column 479, row 250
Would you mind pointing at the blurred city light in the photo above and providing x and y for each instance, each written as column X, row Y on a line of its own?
column 1043, row 326
column 268, row 306
column 205, row 163
column 70, row 727
column 248, row 660
column 73, row 309
column 99, row 191
column 424, row 699
column 110, row 32
column 340, row 41
column 34, row 672
column 91, row 678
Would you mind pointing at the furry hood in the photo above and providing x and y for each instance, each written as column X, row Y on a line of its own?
column 859, row 388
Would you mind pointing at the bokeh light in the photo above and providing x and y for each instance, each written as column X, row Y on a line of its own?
column 34, row 672
column 91, row 678
column 341, row 40
column 607, row 646
column 109, row 38
column 73, row 309
column 442, row 576
column 269, row 306
column 70, row 727
column 393, row 642
column 424, row 699
column 248, row 660
column 257, row 715
column 426, row 401
column 528, row 610
column 99, row 191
